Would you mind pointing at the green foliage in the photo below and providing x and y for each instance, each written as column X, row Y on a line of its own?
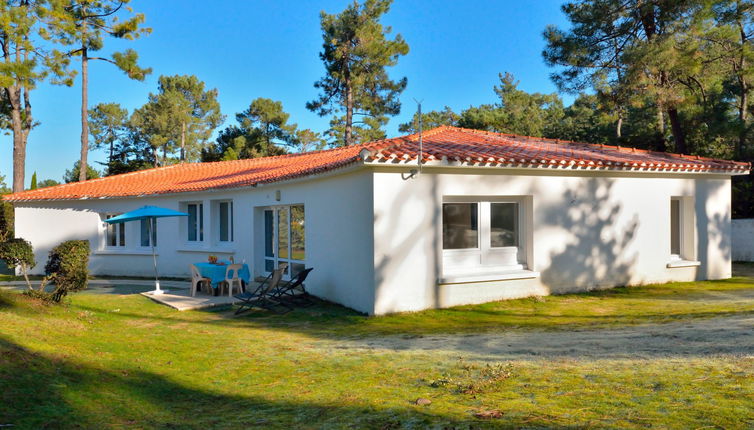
column 110, row 129
column 431, row 120
column 356, row 53
column 73, row 174
column 179, row 118
column 263, row 130
column 18, row 253
column 33, row 185
column 68, row 267
column 3, row 186
column 27, row 58
column 44, row 183
column 6, row 221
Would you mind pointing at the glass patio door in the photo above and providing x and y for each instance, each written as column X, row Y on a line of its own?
column 284, row 240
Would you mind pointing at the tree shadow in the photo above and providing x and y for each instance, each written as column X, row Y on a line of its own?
column 598, row 254
column 44, row 391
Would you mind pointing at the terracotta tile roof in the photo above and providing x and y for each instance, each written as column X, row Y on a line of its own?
column 441, row 146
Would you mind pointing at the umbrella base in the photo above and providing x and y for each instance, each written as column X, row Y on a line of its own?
column 157, row 292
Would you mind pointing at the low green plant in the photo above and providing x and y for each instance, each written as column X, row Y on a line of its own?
column 68, row 267
column 18, row 253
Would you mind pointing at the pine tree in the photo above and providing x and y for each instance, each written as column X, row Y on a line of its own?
column 85, row 24
column 24, row 31
column 356, row 53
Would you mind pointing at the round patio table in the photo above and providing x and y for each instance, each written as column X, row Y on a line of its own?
column 216, row 272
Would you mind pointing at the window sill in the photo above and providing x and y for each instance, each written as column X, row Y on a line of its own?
column 124, row 252
column 205, row 250
column 486, row 275
column 682, row 263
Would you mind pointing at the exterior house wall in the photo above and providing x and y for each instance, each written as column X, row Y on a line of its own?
column 338, row 233
column 743, row 239
column 586, row 230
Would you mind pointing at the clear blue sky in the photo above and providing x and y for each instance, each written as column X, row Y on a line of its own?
column 266, row 48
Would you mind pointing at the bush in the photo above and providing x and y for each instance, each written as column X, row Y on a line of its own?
column 6, row 221
column 18, row 252
column 68, row 267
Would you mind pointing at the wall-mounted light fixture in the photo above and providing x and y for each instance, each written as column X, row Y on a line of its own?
column 277, row 195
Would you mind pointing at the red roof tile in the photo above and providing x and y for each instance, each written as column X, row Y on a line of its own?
column 440, row 146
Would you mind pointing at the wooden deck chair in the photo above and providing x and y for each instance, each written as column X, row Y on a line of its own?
column 262, row 297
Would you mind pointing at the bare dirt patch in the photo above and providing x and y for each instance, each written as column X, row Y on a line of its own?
column 699, row 338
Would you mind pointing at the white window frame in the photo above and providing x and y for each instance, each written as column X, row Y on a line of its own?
column 275, row 260
column 229, row 220
column 686, row 233
column 120, row 233
column 484, row 256
column 200, row 233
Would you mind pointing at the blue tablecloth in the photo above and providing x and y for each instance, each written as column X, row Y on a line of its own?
column 216, row 272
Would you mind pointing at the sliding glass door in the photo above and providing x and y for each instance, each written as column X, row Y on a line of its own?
column 284, row 238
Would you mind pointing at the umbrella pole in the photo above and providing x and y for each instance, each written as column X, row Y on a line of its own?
column 157, row 289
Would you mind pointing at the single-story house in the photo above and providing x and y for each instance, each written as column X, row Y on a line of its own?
column 451, row 217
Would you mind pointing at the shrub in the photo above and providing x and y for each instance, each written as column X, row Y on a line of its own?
column 18, row 252
column 6, row 221
column 68, row 267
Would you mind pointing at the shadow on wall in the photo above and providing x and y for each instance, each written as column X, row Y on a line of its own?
column 386, row 266
column 713, row 232
column 41, row 392
column 597, row 254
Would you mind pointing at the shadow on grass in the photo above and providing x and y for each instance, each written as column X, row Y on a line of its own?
column 41, row 391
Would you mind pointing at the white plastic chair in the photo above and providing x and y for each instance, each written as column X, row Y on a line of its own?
column 198, row 281
column 232, row 279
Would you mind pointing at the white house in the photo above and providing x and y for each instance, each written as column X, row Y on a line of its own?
column 483, row 217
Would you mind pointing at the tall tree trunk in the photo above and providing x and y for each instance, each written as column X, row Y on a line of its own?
column 619, row 126
column 19, row 144
column 183, row 141
column 84, row 114
column 660, row 143
column 743, row 116
column 110, row 160
column 678, row 136
column 348, row 135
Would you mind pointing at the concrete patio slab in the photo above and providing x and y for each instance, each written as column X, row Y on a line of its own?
column 181, row 300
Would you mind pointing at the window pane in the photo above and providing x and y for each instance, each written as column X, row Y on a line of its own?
column 269, row 265
column 122, row 234
column 231, row 221
column 296, row 268
column 144, row 232
column 224, row 215
column 675, row 227
column 460, row 229
column 503, row 224
column 111, row 236
column 297, row 233
column 269, row 226
column 192, row 223
column 283, row 233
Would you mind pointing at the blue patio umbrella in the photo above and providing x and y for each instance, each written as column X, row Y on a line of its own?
column 150, row 213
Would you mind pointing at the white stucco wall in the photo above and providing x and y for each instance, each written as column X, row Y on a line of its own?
column 338, row 233
column 374, row 238
column 743, row 239
column 589, row 230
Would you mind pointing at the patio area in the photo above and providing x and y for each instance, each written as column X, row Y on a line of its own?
column 180, row 298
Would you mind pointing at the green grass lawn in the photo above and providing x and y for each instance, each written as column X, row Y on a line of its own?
column 122, row 361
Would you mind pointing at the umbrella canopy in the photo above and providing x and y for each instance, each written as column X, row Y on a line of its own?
column 144, row 212
column 150, row 213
